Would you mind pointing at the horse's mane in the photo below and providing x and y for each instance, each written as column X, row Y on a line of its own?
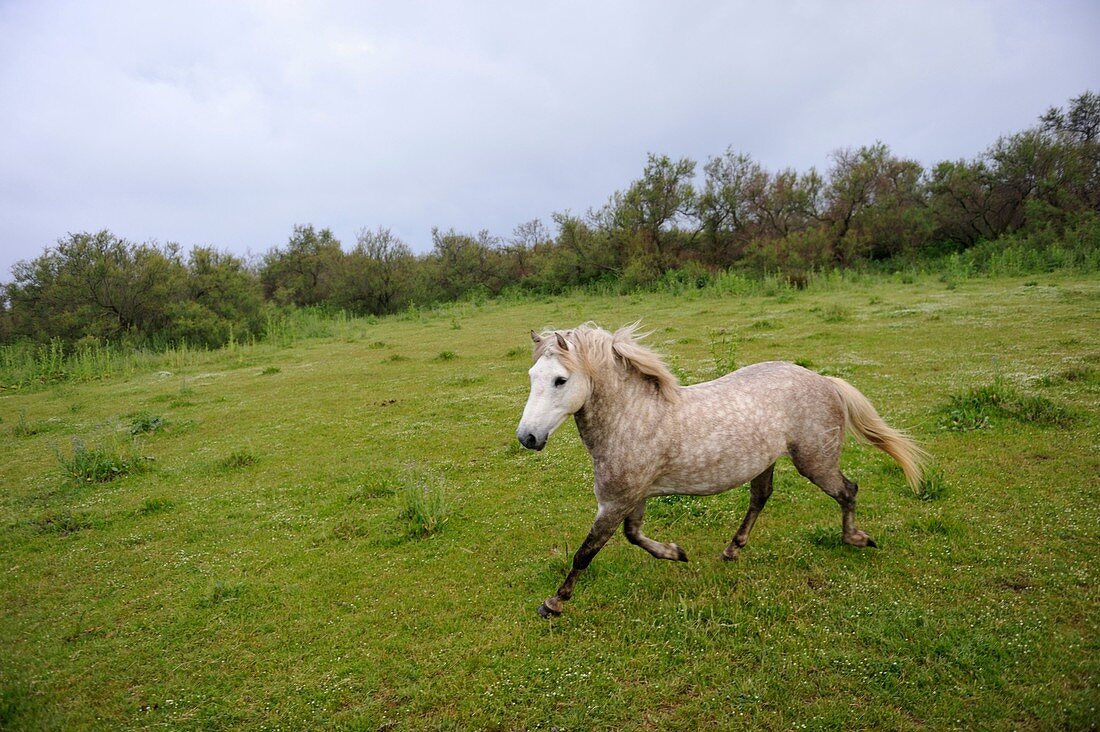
column 595, row 352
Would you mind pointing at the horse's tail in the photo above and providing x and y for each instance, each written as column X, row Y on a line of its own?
column 863, row 421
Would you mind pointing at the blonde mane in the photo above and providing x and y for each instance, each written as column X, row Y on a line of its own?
column 595, row 352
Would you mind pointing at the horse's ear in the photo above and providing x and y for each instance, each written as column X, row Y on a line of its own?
column 535, row 337
column 562, row 343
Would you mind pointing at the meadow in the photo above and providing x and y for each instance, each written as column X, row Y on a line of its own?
column 341, row 530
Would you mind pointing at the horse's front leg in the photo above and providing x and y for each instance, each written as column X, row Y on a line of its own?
column 632, row 527
column 608, row 518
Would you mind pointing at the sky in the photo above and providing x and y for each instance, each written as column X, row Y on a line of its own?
column 226, row 123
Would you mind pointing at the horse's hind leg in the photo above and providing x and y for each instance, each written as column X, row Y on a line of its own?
column 829, row 479
column 759, row 491
column 632, row 527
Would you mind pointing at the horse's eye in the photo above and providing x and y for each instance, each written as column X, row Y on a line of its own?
column 560, row 381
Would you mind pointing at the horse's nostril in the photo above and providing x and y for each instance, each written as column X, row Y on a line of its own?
column 528, row 440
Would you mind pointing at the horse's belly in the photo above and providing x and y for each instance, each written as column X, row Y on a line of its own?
column 702, row 477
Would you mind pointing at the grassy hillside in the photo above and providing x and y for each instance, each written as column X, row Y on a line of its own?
column 270, row 551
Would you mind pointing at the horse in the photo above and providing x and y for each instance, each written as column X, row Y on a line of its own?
column 649, row 436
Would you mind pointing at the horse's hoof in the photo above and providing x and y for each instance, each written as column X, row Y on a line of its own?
column 551, row 608
column 728, row 556
column 860, row 540
column 681, row 555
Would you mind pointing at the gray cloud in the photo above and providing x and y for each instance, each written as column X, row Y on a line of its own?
column 226, row 123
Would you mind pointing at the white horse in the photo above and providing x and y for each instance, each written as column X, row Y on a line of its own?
column 648, row 436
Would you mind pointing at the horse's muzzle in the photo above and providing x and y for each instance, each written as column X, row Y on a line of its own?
column 531, row 442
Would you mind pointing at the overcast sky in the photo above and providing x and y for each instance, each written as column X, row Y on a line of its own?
column 225, row 123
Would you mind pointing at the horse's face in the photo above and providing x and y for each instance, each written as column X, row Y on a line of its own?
column 556, row 393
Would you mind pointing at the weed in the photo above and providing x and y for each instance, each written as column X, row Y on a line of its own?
column 99, row 465
column 804, row 363
column 1073, row 374
column 397, row 358
column 154, row 504
column 22, row 428
column 63, row 522
column 936, row 526
column 421, row 505
column 1079, row 372
column 1042, row 411
column 348, row 529
column 464, row 380
column 146, row 423
column 221, row 592
column 270, row 370
column 517, row 352
column 932, row 486
column 375, row 345
column 723, row 351
column 446, row 356
column 835, row 313
column 979, row 407
column 825, row 538
column 238, row 459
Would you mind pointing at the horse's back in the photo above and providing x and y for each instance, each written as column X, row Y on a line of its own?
column 779, row 401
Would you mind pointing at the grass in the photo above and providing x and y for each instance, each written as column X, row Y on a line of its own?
column 143, row 424
column 980, row 407
column 421, row 505
column 238, row 459
column 99, row 464
column 268, row 572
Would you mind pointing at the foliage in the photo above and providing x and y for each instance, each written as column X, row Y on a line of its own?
column 1028, row 203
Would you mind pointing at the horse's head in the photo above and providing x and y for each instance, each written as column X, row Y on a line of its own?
column 558, row 389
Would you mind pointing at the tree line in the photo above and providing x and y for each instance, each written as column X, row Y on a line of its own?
column 1040, row 186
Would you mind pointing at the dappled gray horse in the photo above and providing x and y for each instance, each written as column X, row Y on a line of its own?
column 648, row 436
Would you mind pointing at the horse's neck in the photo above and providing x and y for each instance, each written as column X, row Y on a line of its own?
column 619, row 410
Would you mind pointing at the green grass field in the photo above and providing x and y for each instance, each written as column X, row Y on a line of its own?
column 343, row 532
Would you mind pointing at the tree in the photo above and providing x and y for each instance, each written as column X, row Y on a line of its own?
column 305, row 271
column 374, row 275
column 784, row 202
column 652, row 206
column 224, row 299
column 522, row 250
column 873, row 199
column 1079, row 124
column 466, row 263
column 96, row 285
column 724, row 207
